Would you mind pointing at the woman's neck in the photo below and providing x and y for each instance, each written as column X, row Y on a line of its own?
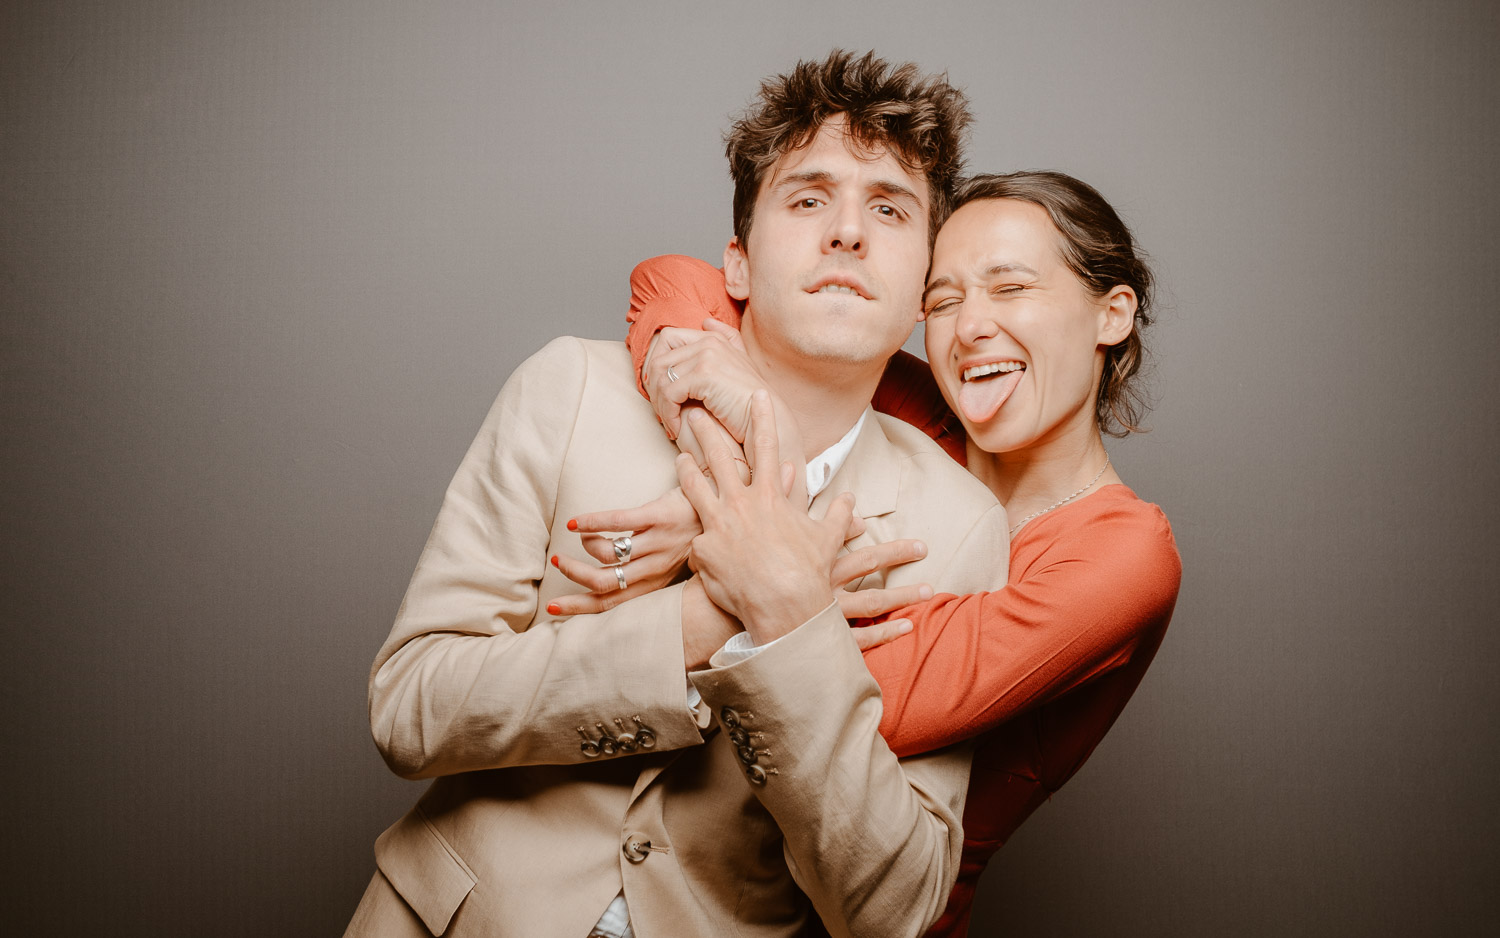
column 1032, row 480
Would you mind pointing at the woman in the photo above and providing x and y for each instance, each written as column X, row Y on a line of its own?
column 1034, row 308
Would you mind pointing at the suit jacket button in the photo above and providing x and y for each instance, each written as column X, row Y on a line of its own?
column 729, row 717
column 637, row 847
column 739, row 737
column 747, row 755
column 755, row 774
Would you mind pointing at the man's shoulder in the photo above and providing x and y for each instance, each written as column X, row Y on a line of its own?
column 576, row 350
column 568, row 367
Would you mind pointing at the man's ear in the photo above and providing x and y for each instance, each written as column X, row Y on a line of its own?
column 1117, row 315
column 736, row 270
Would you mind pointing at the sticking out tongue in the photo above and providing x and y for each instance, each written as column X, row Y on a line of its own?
column 981, row 398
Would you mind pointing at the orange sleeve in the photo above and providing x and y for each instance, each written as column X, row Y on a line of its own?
column 674, row 290
column 909, row 393
column 1093, row 591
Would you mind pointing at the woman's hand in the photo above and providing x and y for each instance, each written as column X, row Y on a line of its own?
column 870, row 603
column 709, row 366
column 660, row 532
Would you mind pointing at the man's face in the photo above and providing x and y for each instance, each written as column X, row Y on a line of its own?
column 837, row 254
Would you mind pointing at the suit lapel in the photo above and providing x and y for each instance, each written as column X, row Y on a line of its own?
column 873, row 474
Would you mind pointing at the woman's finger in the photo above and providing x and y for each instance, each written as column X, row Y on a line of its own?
column 579, row 604
column 721, row 461
column 696, row 488
column 869, row 636
column 856, row 527
column 867, row 604
column 766, row 448
column 867, row 560
column 729, row 333
column 596, row 579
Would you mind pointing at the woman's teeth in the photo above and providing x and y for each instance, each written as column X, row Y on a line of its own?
column 993, row 368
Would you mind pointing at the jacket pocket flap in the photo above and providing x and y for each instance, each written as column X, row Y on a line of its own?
column 421, row 866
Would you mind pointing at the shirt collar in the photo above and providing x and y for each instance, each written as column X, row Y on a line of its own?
column 821, row 468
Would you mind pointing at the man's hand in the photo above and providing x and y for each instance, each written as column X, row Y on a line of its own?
column 760, row 557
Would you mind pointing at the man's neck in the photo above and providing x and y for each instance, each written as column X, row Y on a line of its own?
column 825, row 397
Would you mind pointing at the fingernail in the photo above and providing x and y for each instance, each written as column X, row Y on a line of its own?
column 553, row 608
column 554, row 561
column 903, row 627
column 925, row 591
column 920, row 548
column 572, row 524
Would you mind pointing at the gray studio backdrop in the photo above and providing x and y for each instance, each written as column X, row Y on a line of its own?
column 264, row 264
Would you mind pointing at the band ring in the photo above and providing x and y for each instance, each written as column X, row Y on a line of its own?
column 672, row 375
column 622, row 549
column 620, row 575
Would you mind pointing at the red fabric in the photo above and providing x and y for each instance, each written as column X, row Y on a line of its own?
column 674, row 290
column 1039, row 670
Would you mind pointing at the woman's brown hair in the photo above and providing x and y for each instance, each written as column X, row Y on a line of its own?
column 1098, row 247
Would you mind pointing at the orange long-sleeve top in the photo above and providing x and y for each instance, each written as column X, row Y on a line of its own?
column 1038, row 670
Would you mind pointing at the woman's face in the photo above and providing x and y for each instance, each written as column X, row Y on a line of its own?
column 1014, row 338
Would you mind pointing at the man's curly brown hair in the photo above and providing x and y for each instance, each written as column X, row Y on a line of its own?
column 921, row 119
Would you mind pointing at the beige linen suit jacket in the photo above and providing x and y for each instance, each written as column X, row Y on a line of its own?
column 776, row 790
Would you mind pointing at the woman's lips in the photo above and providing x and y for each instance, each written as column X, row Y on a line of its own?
column 979, row 400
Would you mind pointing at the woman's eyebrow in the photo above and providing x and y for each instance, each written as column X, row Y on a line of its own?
column 995, row 271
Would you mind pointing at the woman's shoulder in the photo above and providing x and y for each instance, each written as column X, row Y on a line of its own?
column 1114, row 527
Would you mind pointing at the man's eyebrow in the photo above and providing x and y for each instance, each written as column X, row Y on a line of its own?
column 887, row 187
column 802, row 178
column 995, row 271
column 896, row 190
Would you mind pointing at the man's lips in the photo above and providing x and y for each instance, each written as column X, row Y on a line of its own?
column 841, row 284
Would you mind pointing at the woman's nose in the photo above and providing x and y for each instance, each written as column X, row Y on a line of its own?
column 976, row 321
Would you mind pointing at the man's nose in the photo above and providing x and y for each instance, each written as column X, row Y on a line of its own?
column 846, row 230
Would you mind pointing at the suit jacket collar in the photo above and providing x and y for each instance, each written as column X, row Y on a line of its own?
column 872, row 472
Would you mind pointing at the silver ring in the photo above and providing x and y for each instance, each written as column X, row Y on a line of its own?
column 622, row 549
column 620, row 575
column 671, row 375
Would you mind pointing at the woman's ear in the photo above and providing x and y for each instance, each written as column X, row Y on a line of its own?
column 736, row 270
column 1117, row 315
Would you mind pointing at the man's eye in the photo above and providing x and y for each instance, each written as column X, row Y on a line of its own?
column 886, row 210
column 1008, row 288
column 809, row 203
column 946, row 306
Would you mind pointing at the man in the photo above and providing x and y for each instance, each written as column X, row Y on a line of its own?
column 578, row 788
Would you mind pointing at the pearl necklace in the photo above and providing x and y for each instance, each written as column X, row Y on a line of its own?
column 1038, row 514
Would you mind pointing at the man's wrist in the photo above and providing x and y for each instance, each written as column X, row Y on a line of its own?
column 705, row 627
column 772, row 619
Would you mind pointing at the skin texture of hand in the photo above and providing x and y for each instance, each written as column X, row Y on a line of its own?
column 761, row 557
column 712, row 369
column 660, row 532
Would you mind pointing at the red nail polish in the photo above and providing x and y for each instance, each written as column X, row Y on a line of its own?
column 554, row 561
column 572, row 524
column 553, row 609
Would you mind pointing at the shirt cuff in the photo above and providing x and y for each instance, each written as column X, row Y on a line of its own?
column 741, row 647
